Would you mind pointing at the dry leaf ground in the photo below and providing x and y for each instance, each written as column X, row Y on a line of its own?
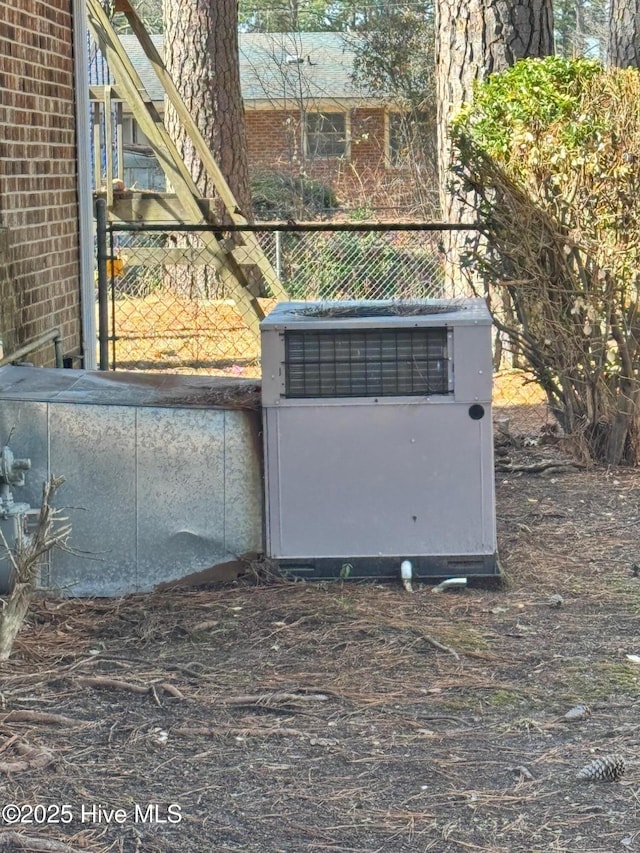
column 297, row 717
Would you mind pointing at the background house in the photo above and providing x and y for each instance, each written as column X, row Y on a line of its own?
column 305, row 117
column 40, row 219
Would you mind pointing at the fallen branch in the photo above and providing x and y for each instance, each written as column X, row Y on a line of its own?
column 8, row 741
column 536, row 467
column 268, row 700
column 441, row 646
column 100, row 681
column 98, row 660
column 104, row 682
column 399, row 625
column 172, row 691
column 253, row 731
column 13, row 840
column 32, row 758
column 40, row 717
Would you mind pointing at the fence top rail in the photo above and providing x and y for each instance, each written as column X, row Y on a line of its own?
column 300, row 226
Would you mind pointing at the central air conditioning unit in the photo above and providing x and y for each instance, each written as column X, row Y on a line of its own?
column 378, row 438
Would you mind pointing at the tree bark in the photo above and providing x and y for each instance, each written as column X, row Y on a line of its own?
column 201, row 54
column 475, row 38
column 624, row 34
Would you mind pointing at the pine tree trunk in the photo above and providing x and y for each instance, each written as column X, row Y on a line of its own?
column 201, row 54
column 475, row 38
column 624, row 33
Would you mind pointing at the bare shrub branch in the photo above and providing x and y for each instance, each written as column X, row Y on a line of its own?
column 26, row 561
column 554, row 176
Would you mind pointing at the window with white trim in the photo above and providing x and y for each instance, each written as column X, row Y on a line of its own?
column 325, row 134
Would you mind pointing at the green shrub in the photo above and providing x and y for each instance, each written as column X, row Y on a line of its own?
column 281, row 196
column 528, row 98
column 551, row 151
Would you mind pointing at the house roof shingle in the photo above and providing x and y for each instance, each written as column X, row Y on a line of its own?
column 275, row 66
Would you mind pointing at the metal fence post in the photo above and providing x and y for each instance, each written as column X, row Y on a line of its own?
column 103, row 286
column 278, row 237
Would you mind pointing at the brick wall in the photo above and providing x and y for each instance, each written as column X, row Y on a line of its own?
column 363, row 180
column 39, row 244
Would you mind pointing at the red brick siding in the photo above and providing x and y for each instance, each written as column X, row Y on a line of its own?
column 363, row 180
column 39, row 256
column 273, row 140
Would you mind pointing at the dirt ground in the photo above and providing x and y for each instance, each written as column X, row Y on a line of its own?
column 273, row 717
column 181, row 335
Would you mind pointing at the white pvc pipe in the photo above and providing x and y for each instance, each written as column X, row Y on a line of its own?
column 450, row 583
column 406, row 573
column 85, row 192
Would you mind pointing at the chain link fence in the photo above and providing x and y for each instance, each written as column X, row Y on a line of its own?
column 170, row 309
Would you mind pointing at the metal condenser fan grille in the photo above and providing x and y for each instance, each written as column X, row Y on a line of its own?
column 366, row 363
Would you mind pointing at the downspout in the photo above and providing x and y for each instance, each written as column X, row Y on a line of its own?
column 85, row 191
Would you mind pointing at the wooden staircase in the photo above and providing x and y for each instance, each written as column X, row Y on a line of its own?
column 234, row 259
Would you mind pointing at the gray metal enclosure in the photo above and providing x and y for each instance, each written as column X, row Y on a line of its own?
column 378, row 438
column 162, row 479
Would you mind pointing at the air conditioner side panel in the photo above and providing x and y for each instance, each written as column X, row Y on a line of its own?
column 381, row 480
column 273, row 382
column 473, row 370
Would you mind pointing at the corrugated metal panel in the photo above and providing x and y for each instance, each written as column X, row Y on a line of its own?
column 154, row 492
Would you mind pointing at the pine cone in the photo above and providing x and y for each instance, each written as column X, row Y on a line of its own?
column 610, row 768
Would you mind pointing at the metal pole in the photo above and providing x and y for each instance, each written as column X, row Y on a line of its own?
column 57, row 346
column 85, row 193
column 103, row 284
column 278, row 236
column 112, row 255
column 268, row 227
column 52, row 335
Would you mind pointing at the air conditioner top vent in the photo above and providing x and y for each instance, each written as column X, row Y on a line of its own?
column 373, row 309
column 370, row 348
column 372, row 313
